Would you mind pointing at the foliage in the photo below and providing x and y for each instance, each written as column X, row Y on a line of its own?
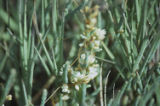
column 39, row 43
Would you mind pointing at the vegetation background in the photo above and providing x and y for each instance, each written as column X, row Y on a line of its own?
column 38, row 36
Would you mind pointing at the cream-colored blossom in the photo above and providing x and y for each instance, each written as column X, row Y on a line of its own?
column 65, row 88
column 81, row 44
column 77, row 76
column 77, row 87
column 93, row 21
column 9, row 97
column 94, row 37
column 93, row 71
column 65, row 97
column 61, row 72
column 96, row 44
column 83, row 56
column 100, row 33
column 91, row 59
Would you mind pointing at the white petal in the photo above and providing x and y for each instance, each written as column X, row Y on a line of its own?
column 100, row 33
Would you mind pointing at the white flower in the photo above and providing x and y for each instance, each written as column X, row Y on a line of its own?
column 94, row 37
column 70, row 69
column 81, row 44
column 100, row 33
column 77, row 87
column 9, row 97
column 93, row 21
column 93, row 71
column 65, row 88
column 61, row 72
column 83, row 56
column 91, row 59
column 96, row 44
column 65, row 97
column 77, row 76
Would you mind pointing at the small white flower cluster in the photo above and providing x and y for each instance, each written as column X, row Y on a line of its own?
column 87, row 68
column 66, row 91
column 65, row 88
column 86, row 71
column 100, row 33
column 9, row 97
column 98, row 36
column 93, row 71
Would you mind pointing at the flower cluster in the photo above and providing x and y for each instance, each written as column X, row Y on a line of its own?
column 87, row 68
column 66, row 91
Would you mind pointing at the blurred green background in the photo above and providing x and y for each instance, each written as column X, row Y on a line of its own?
column 38, row 36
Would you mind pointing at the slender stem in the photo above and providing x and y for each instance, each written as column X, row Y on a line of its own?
column 105, row 89
column 101, row 88
column 83, row 95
